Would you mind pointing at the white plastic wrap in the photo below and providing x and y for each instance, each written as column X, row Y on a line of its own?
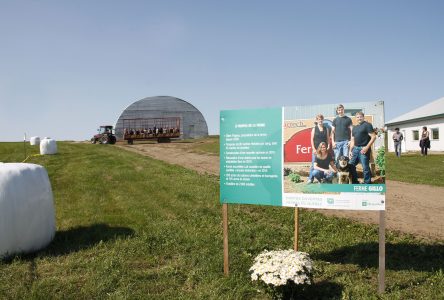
column 48, row 146
column 27, row 217
column 35, row 140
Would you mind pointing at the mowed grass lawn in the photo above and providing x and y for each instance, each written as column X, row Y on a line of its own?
column 414, row 168
column 132, row 227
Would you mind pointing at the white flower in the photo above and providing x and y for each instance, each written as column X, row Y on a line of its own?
column 278, row 267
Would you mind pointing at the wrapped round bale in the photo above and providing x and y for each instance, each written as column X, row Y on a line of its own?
column 35, row 140
column 27, row 218
column 48, row 146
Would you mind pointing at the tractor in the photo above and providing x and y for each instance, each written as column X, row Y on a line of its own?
column 105, row 135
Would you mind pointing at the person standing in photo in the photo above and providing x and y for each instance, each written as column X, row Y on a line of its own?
column 341, row 133
column 319, row 134
column 424, row 143
column 363, row 137
column 397, row 139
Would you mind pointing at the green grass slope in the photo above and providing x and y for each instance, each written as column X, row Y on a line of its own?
column 130, row 227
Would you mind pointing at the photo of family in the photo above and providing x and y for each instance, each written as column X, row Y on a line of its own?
column 340, row 147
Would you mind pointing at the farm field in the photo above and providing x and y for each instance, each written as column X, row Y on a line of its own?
column 129, row 226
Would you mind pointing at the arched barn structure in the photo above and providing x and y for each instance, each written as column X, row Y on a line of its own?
column 163, row 112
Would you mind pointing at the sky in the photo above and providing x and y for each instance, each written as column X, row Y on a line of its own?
column 67, row 67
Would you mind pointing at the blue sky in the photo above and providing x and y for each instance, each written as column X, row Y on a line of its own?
column 67, row 67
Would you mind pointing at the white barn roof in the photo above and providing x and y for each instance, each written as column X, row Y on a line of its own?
column 430, row 110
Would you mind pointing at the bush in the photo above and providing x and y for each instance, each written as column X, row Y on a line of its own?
column 295, row 177
column 380, row 160
column 282, row 271
column 287, row 171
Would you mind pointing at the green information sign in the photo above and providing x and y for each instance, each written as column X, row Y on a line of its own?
column 257, row 145
column 251, row 156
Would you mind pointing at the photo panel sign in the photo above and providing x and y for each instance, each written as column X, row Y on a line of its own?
column 320, row 156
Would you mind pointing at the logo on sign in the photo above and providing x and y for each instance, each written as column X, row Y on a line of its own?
column 298, row 147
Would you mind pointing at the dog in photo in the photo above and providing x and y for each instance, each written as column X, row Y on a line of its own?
column 343, row 167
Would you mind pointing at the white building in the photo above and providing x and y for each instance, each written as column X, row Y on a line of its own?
column 411, row 123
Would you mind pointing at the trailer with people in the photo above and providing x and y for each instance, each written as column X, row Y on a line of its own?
column 160, row 129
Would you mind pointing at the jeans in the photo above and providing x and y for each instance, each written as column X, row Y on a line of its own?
column 319, row 175
column 398, row 149
column 364, row 159
column 341, row 149
column 423, row 145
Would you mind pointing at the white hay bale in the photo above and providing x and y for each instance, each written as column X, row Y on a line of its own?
column 48, row 146
column 27, row 219
column 35, row 140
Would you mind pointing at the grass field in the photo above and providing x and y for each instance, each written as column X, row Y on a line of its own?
column 414, row 168
column 208, row 145
column 132, row 227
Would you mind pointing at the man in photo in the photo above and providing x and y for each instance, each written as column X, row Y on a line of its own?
column 363, row 137
column 341, row 133
column 397, row 139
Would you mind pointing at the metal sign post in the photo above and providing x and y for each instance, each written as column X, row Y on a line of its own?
column 381, row 267
column 225, row 226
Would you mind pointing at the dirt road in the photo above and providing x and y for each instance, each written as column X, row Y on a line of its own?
column 414, row 209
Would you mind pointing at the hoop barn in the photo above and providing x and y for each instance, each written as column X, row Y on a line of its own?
column 192, row 122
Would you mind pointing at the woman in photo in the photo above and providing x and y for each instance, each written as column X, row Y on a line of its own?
column 324, row 168
column 319, row 134
column 424, row 143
